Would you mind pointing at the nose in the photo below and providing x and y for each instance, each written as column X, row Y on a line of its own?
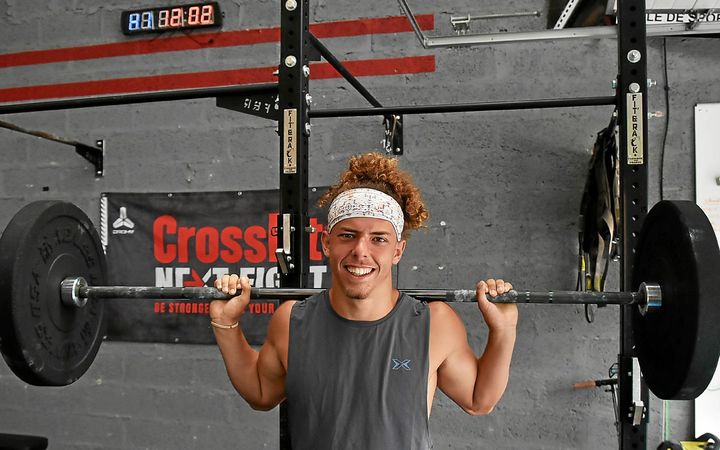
column 360, row 248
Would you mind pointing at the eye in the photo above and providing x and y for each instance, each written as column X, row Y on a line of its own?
column 380, row 239
column 345, row 235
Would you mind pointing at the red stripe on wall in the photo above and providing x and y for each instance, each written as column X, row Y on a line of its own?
column 376, row 67
column 371, row 67
column 396, row 24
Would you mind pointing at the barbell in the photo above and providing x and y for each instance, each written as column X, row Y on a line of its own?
column 53, row 273
column 75, row 291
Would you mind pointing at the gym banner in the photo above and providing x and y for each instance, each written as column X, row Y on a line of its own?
column 187, row 240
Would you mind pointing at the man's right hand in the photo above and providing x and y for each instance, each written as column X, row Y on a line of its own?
column 228, row 312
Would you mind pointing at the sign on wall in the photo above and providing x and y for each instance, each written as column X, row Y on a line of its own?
column 190, row 239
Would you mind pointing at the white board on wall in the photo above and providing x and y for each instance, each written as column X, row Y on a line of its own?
column 707, row 195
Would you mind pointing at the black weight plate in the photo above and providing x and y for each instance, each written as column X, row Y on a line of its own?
column 45, row 342
column 678, row 345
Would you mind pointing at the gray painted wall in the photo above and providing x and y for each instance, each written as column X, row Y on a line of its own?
column 503, row 189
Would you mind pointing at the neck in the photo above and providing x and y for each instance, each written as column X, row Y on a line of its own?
column 374, row 307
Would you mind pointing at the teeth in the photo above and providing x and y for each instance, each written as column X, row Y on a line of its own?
column 359, row 270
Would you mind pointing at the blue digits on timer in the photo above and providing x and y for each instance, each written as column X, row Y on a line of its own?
column 140, row 21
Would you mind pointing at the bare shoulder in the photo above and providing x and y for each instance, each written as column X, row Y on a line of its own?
column 447, row 335
column 278, row 335
column 446, row 327
column 283, row 311
column 442, row 314
column 280, row 322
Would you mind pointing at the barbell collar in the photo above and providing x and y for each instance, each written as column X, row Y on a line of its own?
column 652, row 294
column 75, row 291
column 70, row 289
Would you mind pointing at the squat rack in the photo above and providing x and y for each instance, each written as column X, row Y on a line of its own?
column 298, row 47
column 289, row 102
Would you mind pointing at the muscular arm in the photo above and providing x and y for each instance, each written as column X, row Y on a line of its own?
column 259, row 377
column 475, row 384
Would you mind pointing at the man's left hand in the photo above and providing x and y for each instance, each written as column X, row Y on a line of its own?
column 497, row 316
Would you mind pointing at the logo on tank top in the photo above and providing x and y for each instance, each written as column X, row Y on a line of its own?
column 398, row 364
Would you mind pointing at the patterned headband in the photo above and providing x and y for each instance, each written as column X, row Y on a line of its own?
column 364, row 202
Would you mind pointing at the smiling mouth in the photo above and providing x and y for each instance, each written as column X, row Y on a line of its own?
column 359, row 271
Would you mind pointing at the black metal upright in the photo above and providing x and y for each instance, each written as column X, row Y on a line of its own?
column 632, row 85
column 294, row 129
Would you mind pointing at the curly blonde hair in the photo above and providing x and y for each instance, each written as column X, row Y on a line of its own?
column 377, row 171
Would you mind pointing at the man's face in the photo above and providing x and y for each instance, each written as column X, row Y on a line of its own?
column 362, row 252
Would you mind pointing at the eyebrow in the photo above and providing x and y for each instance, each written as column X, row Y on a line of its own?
column 353, row 230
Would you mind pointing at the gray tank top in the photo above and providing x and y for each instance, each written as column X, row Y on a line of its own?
column 358, row 385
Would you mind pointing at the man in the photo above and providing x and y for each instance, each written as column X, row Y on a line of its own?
column 360, row 363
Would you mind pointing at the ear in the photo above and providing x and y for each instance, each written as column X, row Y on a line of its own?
column 399, row 249
column 325, row 240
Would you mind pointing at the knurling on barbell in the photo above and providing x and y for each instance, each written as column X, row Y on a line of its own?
column 48, row 340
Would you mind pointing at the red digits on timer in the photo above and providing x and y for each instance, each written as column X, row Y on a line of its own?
column 163, row 18
column 193, row 15
column 176, row 17
column 197, row 16
column 206, row 17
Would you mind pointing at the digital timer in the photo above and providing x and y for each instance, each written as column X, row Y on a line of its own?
column 168, row 18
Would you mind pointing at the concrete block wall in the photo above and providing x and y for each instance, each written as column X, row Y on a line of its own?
column 503, row 189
